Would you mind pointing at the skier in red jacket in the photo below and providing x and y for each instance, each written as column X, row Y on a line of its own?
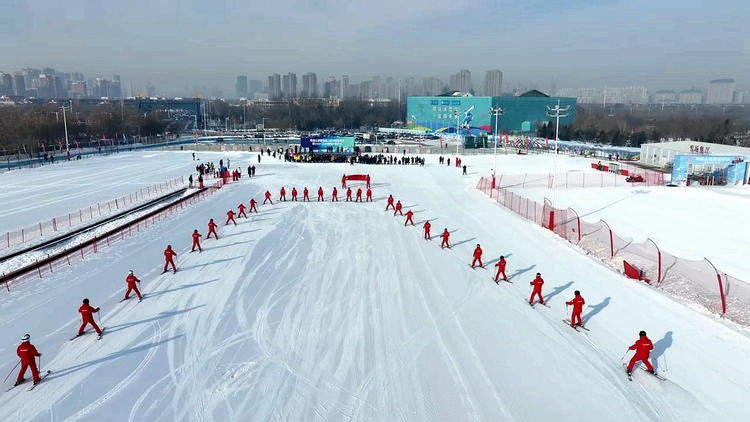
column 359, row 195
column 577, row 303
column 409, row 216
column 306, row 195
column 390, row 203
column 196, row 241
column 335, row 195
column 132, row 280
column 369, row 196
column 87, row 316
column 445, row 236
column 28, row 354
column 538, row 282
column 230, row 217
column 477, row 256
column 282, row 194
column 241, row 210
column 426, row 228
column 320, row 194
column 397, row 209
column 211, row 229
column 343, row 181
column 348, row 195
column 500, row 269
column 367, row 180
column 268, row 198
column 253, row 204
column 294, row 194
column 169, row 255
column 642, row 347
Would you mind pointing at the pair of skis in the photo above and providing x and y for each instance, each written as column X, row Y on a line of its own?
column 34, row 385
column 140, row 299
column 99, row 337
column 575, row 327
column 630, row 376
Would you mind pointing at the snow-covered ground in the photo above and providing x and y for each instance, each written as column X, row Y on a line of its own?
column 30, row 196
column 336, row 311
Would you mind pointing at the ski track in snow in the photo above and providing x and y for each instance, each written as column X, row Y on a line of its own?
column 321, row 311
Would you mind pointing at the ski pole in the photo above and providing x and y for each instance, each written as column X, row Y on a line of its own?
column 99, row 315
column 665, row 362
column 11, row 371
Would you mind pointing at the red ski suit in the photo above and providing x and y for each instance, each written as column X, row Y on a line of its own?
column 426, row 228
column 348, row 194
column 28, row 353
column 196, row 242
column 642, row 349
column 87, row 317
column 131, row 280
column 320, row 195
column 335, row 195
column 397, row 209
column 359, row 195
column 253, row 203
column 537, row 291
column 369, row 196
column 577, row 303
column 500, row 269
column 477, row 257
column 230, row 217
column 268, row 198
column 367, row 180
column 306, row 195
column 409, row 216
column 343, row 181
column 169, row 255
column 390, row 203
column 445, row 237
column 212, row 229
column 294, row 194
column 241, row 211
column 282, row 194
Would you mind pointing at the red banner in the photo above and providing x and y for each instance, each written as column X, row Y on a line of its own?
column 356, row 177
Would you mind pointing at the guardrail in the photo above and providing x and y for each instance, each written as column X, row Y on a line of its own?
column 65, row 257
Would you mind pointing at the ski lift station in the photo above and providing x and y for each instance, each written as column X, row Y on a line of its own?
column 699, row 163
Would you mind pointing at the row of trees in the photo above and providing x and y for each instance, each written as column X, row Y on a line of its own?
column 31, row 126
column 633, row 129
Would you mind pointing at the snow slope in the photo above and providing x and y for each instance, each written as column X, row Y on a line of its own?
column 42, row 193
column 335, row 311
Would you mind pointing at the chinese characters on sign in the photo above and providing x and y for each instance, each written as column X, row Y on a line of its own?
column 696, row 149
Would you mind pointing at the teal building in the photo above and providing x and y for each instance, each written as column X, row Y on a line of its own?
column 472, row 115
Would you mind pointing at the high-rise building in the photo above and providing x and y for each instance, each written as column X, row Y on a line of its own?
column 6, row 84
column 493, row 83
column 255, row 86
column 461, row 81
column 690, row 96
column 19, row 85
column 720, row 91
column 241, row 87
column 344, row 86
column 310, row 84
column 274, row 86
column 115, row 88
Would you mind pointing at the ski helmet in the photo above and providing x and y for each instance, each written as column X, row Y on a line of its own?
column 538, row 274
column 25, row 338
column 86, row 301
column 577, row 293
column 130, row 272
column 642, row 334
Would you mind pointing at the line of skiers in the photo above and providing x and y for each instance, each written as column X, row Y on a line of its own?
column 321, row 195
column 642, row 346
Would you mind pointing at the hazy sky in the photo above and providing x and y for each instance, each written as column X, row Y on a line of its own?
column 662, row 44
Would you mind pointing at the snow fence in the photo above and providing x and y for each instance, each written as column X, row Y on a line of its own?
column 66, row 257
column 699, row 282
column 60, row 225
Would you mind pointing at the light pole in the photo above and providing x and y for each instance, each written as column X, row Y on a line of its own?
column 264, row 131
column 557, row 113
column 497, row 112
column 65, row 123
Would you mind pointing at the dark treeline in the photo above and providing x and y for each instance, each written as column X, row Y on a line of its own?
column 637, row 125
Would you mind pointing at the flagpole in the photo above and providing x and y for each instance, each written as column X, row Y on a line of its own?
column 557, row 113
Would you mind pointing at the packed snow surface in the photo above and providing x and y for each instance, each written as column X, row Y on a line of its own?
column 336, row 311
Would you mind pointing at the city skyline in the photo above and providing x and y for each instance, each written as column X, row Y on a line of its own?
column 668, row 45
